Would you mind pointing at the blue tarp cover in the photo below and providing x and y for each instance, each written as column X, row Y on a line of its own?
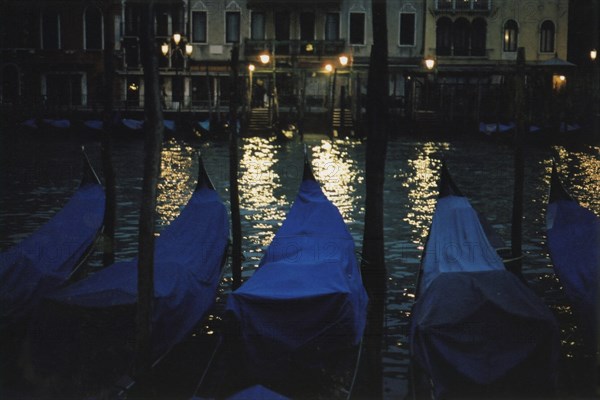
column 574, row 243
column 187, row 268
column 41, row 263
column 257, row 392
column 457, row 242
column 474, row 322
column 308, row 288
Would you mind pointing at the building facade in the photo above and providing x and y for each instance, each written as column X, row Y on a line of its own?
column 52, row 53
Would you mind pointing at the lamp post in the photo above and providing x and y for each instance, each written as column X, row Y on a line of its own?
column 343, row 59
column 595, row 98
column 251, row 68
column 184, row 50
column 430, row 66
column 265, row 58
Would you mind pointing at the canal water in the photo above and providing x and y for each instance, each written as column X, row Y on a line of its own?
column 38, row 175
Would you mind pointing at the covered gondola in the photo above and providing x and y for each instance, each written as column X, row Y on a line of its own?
column 476, row 328
column 574, row 244
column 298, row 321
column 84, row 335
column 44, row 261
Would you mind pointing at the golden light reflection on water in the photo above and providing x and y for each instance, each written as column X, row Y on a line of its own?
column 260, row 184
column 177, row 179
column 421, row 180
column 580, row 172
column 337, row 172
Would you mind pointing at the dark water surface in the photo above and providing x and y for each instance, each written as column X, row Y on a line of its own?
column 38, row 175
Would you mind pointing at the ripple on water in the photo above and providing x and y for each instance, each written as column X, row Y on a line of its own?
column 269, row 177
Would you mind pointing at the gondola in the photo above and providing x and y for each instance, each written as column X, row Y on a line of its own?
column 83, row 336
column 295, row 326
column 44, row 261
column 56, row 124
column 574, row 244
column 476, row 329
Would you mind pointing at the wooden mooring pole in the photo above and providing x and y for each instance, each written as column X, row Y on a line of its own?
column 153, row 130
column 517, row 212
column 370, row 384
column 236, row 224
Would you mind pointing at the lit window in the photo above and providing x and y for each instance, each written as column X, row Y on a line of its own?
column 511, row 33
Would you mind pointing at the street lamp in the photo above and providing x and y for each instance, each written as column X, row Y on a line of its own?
column 429, row 63
column 593, row 54
column 265, row 58
column 184, row 50
column 343, row 60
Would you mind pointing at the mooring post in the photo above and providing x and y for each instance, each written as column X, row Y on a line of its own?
column 517, row 212
column 236, row 225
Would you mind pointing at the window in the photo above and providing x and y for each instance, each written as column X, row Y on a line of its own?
column 547, row 37
column 511, row 33
column 478, row 37
column 162, row 20
column 93, row 28
column 199, row 27
column 332, row 26
column 232, row 27
column 50, row 30
column 357, row 28
column 407, row 29
column 132, row 19
column 307, row 26
column 282, row 25
column 132, row 52
column 257, row 25
column 461, row 34
column 443, row 38
column 282, row 32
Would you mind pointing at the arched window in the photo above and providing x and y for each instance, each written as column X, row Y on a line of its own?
column 93, row 28
column 461, row 36
column 478, row 37
column 511, row 35
column 443, row 37
column 547, row 37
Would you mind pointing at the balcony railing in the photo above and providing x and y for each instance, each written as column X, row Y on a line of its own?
column 316, row 48
column 462, row 52
column 463, row 5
